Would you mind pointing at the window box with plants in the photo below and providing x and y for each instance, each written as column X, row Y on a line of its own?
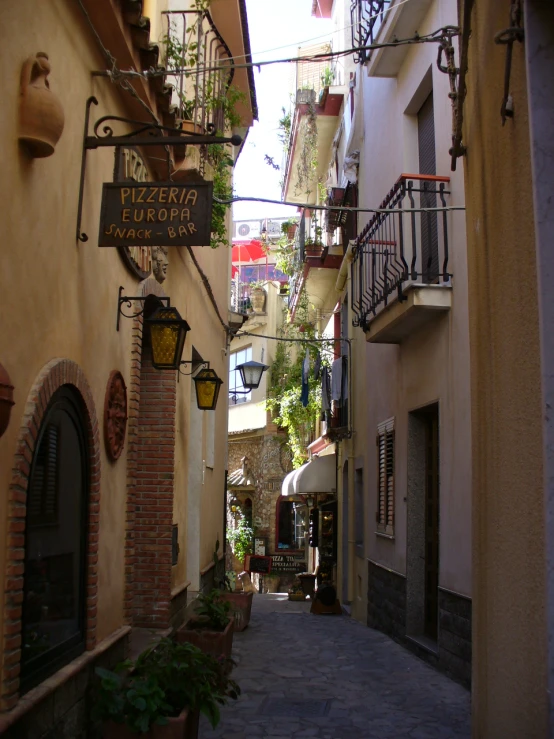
column 163, row 693
column 211, row 627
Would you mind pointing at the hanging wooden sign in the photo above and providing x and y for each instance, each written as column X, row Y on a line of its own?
column 156, row 214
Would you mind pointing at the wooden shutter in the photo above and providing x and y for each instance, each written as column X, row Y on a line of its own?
column 385, row 451
column 42, row 507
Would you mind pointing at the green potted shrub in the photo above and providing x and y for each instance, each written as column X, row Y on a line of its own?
column 162, row 693
column 211, row 627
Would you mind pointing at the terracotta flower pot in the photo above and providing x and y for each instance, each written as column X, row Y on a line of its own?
column 6, row 399
column 183, row 726
column 216, row 643
column 41, row 116
column 241, row 607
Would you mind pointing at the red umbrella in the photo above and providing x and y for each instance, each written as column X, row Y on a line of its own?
column 247, row 251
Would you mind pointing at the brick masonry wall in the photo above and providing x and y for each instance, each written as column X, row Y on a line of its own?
column 55, row 374
column 154, row 475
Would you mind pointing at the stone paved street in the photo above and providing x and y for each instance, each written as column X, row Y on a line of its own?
column 330, row 677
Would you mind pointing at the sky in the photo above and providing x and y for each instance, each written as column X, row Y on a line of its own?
column 277, row 29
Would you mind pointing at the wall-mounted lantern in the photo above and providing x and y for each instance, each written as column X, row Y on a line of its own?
column 168, row 332
column 251, row 374
column 207, row 385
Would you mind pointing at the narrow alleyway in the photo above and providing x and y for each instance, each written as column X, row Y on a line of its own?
column 330, row 677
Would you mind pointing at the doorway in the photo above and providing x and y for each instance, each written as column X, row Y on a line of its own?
column 423, row 540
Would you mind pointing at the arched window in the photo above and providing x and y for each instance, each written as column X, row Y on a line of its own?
column 53, row 621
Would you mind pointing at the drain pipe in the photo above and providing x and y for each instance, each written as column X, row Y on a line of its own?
column 344, row 266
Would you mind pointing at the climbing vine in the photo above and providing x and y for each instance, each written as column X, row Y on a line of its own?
column 241, row 538
column 285, row 390
column 306, row 169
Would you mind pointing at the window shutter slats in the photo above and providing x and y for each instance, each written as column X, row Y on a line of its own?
column 386, row 453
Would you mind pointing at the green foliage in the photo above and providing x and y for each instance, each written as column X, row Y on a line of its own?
column 161, row 683
column 213, row 611
column 327, row 77
column 241, row 538
column 284, row 395
column 284, row 129
column 306, row 169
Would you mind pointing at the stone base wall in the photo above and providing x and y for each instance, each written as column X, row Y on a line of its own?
column 386, row 611
column 455, row 635
column 61, row 707
column 178, row 608
column 386, row 601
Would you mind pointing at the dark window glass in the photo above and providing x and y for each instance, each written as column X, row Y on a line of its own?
column 292, row 525
column 55, row 543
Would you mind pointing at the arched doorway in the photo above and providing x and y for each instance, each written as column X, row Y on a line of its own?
column 53, row 613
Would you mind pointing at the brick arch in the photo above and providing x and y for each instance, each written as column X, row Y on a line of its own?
column 54, row 375
column 149, row 286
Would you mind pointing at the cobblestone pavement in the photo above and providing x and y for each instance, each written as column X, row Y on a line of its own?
column 330, row 677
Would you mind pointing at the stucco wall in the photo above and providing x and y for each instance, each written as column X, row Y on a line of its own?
column 59, row 296
column 509, row 675
column 432, row 364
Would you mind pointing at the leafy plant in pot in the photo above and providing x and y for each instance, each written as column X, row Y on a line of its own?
column 161, row 695
column 211, row 628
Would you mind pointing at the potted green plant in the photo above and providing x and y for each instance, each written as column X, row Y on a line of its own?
column 162, row 693
column 211, row 627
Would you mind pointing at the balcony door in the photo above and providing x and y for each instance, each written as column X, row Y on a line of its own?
column 427, row 165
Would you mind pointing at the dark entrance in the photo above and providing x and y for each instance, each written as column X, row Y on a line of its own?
column 53, row 628
column 431, row 420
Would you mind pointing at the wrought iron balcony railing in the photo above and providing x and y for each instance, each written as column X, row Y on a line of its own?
column 398, row 248
column 366, row 17
column 197, row 51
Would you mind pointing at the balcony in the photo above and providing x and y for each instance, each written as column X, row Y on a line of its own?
column 382, row 21
column 199, row 96
column 320, row 91
column 315, row 264
column 400, row 278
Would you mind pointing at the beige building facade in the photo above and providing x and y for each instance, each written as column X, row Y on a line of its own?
column 113, row 481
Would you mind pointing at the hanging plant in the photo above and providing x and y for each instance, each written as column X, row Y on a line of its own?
column 306, row 169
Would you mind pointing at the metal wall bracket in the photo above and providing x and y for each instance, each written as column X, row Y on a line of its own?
column 126, row 300
column 143, row 134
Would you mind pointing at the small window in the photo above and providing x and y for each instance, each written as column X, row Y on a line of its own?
column 235, row 384
column 53, row 619
column 291, row 526
column 385, row 483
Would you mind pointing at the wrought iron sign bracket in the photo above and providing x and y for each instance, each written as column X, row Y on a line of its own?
column 144, row 134
column 126, row 300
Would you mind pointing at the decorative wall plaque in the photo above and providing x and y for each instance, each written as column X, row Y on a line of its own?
column 115, row 415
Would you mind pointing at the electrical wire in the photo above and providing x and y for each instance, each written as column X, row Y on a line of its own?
column 434, row 37
column 115, row 74
column 345, row 208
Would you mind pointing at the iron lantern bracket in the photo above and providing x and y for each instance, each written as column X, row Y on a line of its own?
column 195, row 365
column 143, row 134
column 126, row 300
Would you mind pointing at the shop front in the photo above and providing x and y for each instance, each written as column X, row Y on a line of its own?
column 315, row 484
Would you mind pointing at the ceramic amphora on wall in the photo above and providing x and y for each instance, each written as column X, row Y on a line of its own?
column 41, row 116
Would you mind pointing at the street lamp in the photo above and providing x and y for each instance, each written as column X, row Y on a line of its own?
column 251, row 374
column 207, row 385
column 167, row 335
